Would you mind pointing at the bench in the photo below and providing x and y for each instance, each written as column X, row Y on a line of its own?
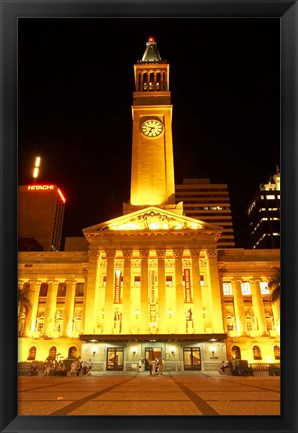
column 274, row 371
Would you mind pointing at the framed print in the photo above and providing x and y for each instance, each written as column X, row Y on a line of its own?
column 143, row 147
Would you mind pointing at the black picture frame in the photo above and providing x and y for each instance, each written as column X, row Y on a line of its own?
column 287, row 11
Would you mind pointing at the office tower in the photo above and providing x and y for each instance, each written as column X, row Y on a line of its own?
column 40, row 217
column 210, row 203
column 263, row 214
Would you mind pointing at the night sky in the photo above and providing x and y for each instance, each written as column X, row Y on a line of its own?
column 75, row 96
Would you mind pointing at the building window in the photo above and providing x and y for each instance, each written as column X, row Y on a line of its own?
column 268, row 321
column 53, row 352
column 169, row 280
column 227, row 288
column 264, row 288
column 236, row 353
column 43, row 289
column 72, row 352
column 230, row 323
column 276, row 351
column 104, row 281
column 249, row 324
column 245, row 288
column 137, row 280
column 80, row 289
column 40, row 327
column 202, row 280
column 61, row 290
column 256, row 352
column 32, row 354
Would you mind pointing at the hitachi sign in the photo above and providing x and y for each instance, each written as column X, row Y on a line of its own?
column 40, row 187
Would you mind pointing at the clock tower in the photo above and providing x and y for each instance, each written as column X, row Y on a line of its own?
column 152, row 168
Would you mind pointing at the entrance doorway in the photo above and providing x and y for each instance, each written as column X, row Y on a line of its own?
column 192, row 358
column 115, row 358
column 150, row 354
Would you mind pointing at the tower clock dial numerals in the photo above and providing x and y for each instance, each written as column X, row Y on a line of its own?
column 152, row 128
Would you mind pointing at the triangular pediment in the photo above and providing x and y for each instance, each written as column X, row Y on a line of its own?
column 152, row 219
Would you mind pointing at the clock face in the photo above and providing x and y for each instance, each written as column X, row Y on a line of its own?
column 152, row 128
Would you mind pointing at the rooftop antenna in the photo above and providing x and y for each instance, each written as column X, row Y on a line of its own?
column 36, row 168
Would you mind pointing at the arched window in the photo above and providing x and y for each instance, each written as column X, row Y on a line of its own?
column 53, row 352
column 145, row 81
column 32, row 353
column 276, row 351
column 230, row 323
column 236, row 352
column 249, row 323
column 256, row 352
column 72, row 352
column 158, row 81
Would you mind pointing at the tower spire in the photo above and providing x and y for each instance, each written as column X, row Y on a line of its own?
column 151, row 54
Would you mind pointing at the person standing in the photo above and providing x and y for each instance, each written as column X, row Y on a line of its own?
column 89, row 367
column 161, row 365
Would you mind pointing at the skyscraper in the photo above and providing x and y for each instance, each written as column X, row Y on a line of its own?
column 208, row 202
column 264, row 214
column 40, row 217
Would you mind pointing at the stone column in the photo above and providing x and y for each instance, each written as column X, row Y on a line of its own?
column 109, row 293
column 90, row 293
column 33, row 296
column 144, row 322
column 179, row 317
column 196, row 293
column 276, row 317
column 216, row 308
column 69, row 308
column 162, row 313
column 239, row 307
column 258, row 306
column 126, row 313
column 50, row 309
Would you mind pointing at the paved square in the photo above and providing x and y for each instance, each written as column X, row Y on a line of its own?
column 140, row 394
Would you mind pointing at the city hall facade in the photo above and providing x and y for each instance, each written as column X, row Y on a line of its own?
column 153, row 282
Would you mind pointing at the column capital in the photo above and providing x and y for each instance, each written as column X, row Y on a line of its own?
column 212, row 253
column 127, row 254
column 93, row 254
column 144, row 254
column 111, row 254
column 161, row 254
column 195, row 253
column 178, row 253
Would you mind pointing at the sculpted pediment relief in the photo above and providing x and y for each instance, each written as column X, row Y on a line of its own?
column 152, row 219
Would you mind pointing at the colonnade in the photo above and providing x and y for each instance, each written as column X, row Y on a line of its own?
column 49, row 318
column 167, row 322
column 257, row 306
column 155, row 80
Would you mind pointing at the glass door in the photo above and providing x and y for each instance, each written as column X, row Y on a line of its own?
column 192, row 358
column 151, row 353
column 115, row 358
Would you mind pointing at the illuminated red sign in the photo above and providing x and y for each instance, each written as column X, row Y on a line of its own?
column 40, row 187
column 46, row 188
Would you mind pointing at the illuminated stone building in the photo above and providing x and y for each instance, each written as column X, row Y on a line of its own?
column 153, row 281
column 40, row 217
column 208, row 202
column 264, row 214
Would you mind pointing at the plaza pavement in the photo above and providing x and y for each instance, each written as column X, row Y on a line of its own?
column 125, row 393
